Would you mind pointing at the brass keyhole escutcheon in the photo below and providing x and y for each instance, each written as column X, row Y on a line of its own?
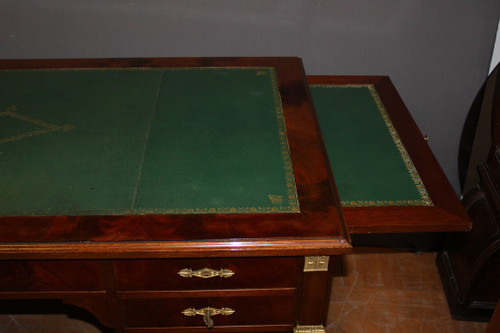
column 207, row 314
column 209, row 323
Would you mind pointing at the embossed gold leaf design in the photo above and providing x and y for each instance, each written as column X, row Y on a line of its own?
column 45, row 127
column 275, row 199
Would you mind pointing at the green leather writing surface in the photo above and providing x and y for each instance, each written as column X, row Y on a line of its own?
column 138, row 141
column 370, row 163
column 226, row 137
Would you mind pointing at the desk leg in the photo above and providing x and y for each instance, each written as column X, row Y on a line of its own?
column 315, row 297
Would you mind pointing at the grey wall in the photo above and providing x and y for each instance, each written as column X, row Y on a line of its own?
column 436, row 52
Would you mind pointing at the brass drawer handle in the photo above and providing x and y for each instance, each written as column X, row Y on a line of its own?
column 207, row 314
column 205, row 273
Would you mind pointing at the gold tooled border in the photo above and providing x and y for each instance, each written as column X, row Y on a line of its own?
column 425, row 199
column 293, row 200
column 291, row 189
column 293, row 203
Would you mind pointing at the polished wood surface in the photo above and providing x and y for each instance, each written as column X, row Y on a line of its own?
column 249, row 310
column 447, row 214
column 50, row 276
column 164, row 274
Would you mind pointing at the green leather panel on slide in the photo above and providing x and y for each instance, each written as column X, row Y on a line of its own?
column 370, row 164
column 141, row 141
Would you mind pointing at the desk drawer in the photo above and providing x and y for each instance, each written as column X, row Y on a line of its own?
column 248, row 310
column 136, row 275
column 50, row 275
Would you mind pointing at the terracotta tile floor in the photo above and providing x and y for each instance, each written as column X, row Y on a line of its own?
column 392, row 292
column 379, row 292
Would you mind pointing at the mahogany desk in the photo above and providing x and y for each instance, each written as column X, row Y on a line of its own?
column 168, row 195
column 128, row 269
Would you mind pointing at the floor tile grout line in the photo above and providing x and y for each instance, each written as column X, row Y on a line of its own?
column 16, row 323
column 4, row 329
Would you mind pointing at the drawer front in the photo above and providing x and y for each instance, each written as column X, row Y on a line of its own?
column 135, row 275
column 248, row 310
column 57, row 275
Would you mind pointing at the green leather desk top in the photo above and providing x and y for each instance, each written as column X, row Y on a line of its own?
column 163, row 157
column 140, row 141
column 370, row 163
column 144, row 143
